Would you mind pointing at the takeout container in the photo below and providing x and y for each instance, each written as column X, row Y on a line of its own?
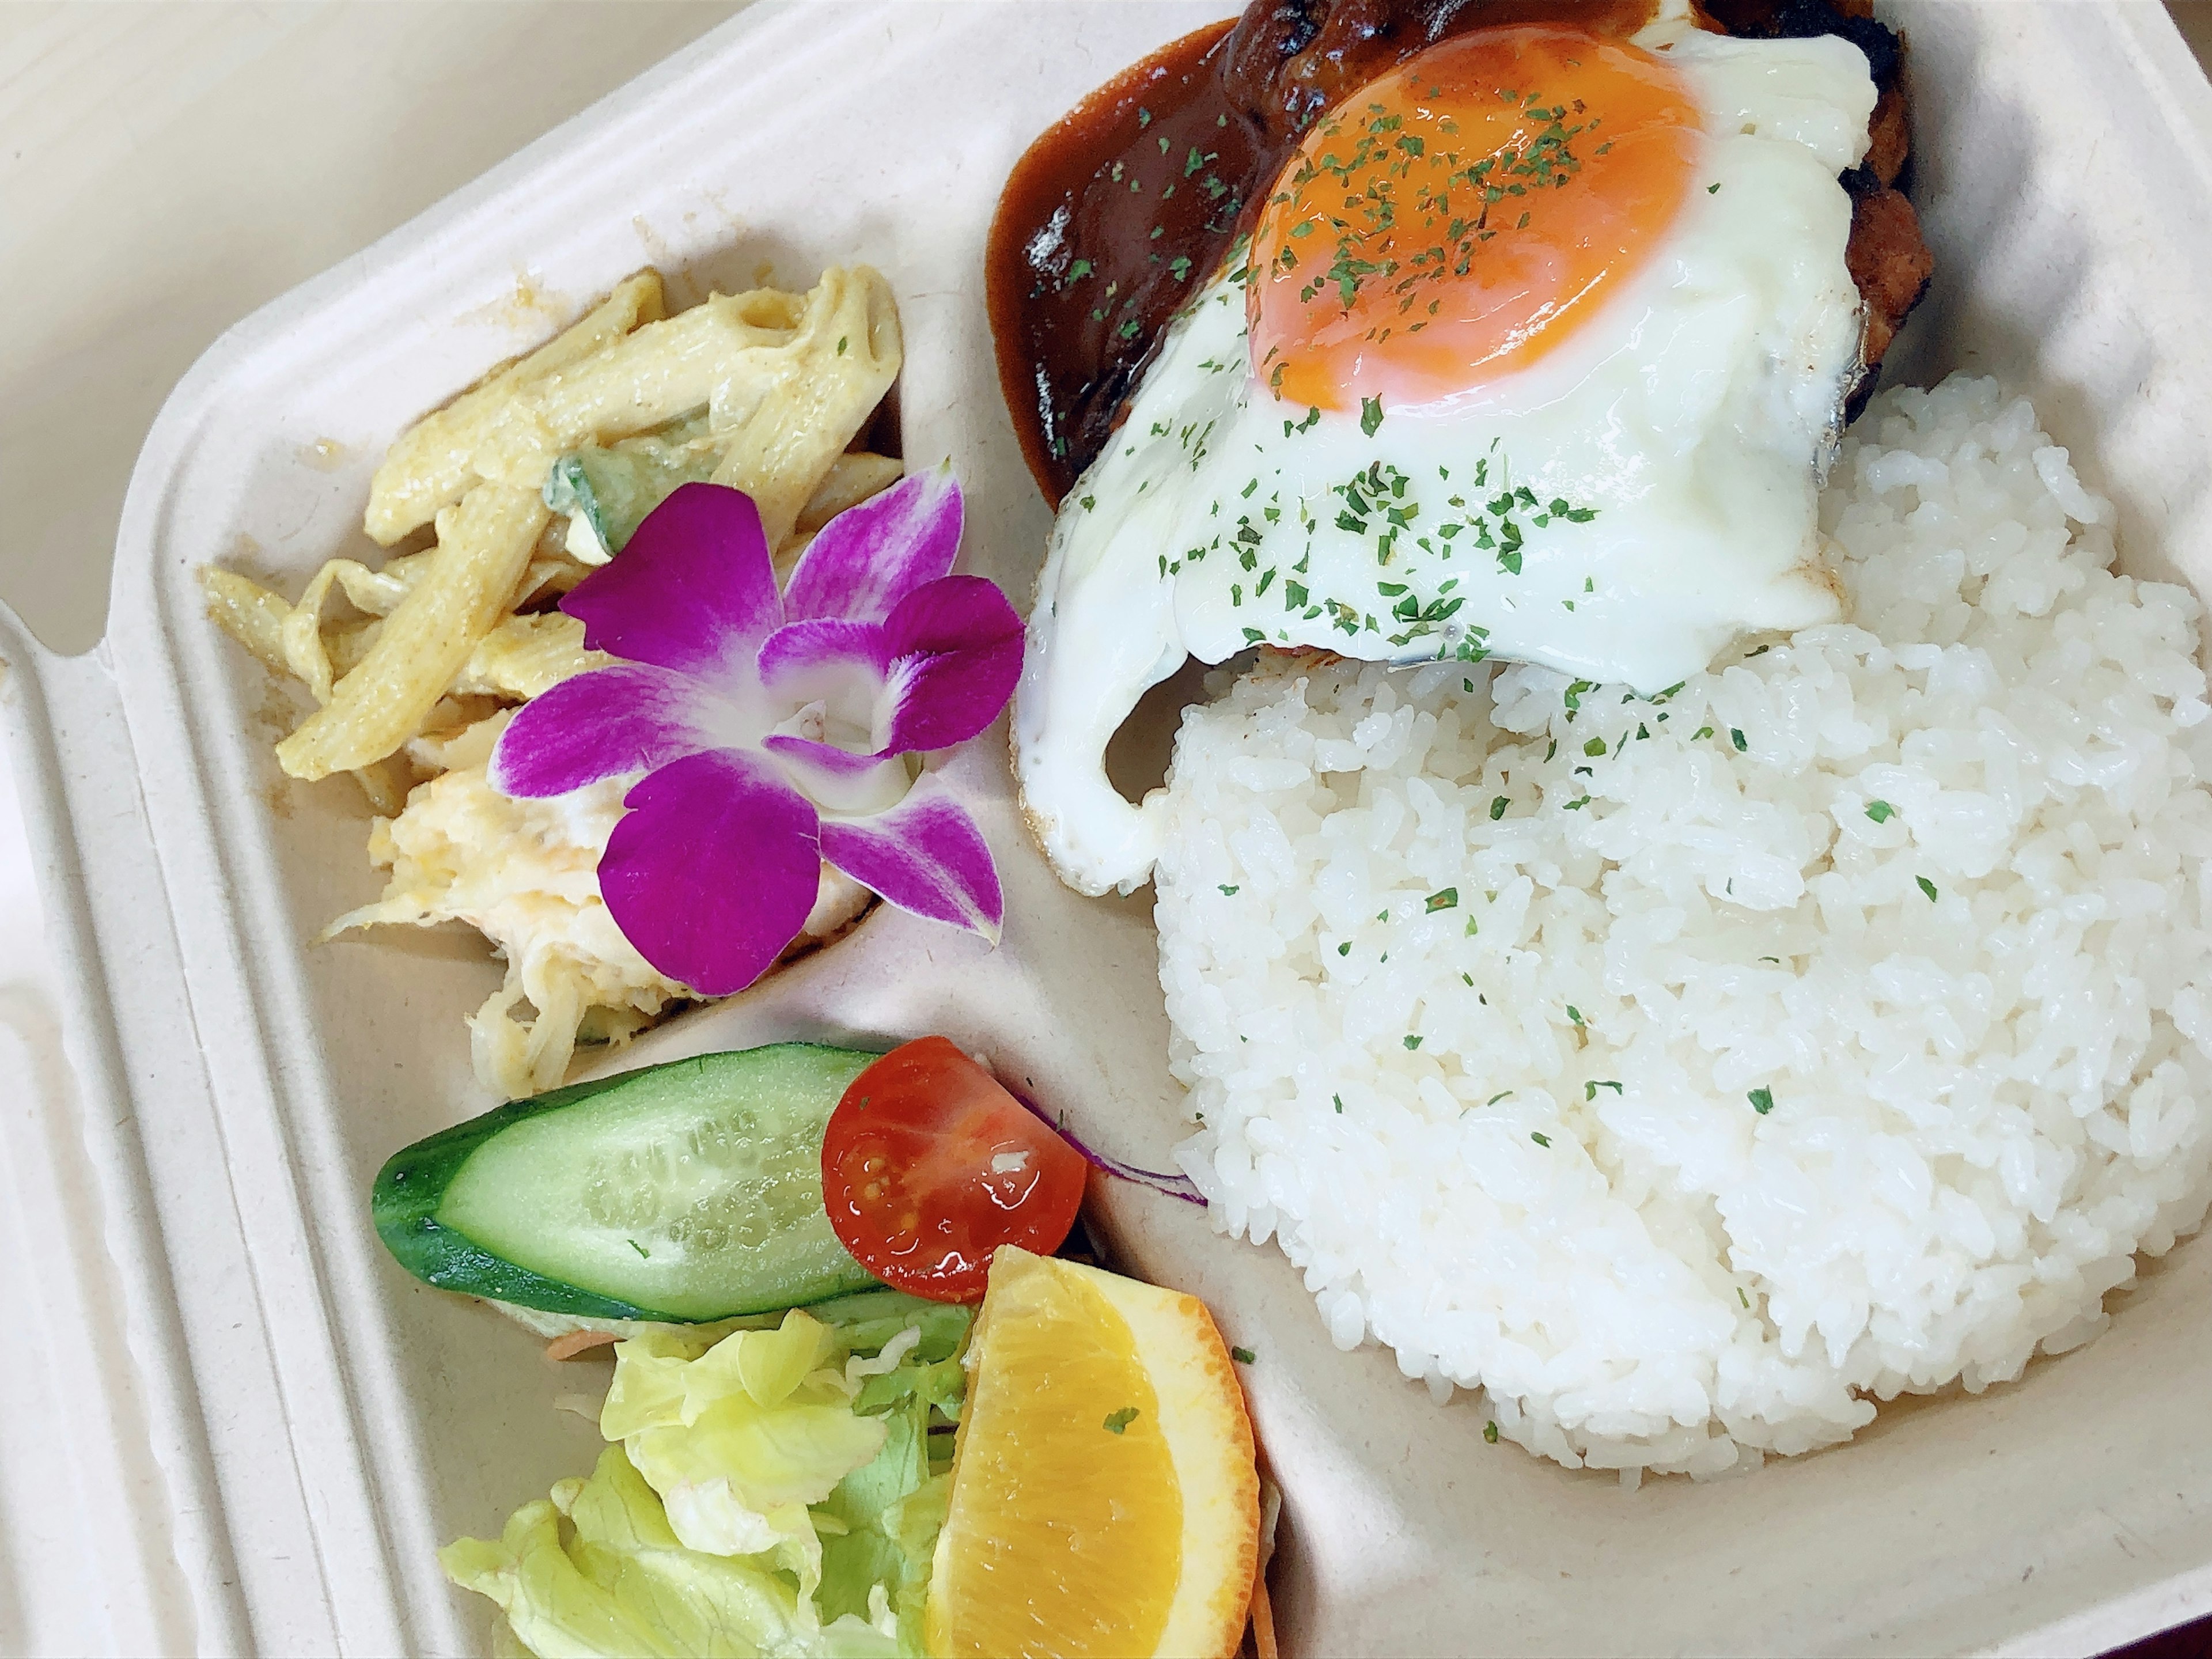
column 290, row 1426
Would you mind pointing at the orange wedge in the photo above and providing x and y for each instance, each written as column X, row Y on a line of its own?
column 1105, row 1498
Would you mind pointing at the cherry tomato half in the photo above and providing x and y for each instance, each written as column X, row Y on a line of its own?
column 928, row 1165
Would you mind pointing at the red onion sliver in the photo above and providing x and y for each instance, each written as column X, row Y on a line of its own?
column 1171, row 1186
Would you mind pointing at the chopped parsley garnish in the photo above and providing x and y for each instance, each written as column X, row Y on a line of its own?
column 1594, row 747
column 1762, row 1101
column 1444, row 899
column 1339, row 1099
column 1497, row 807
column 1735, row 737
column 1702, row 731
column 1370, row 416
column 1539, row 1137
column 639, row 1248
column 1591, row 1089
column 1227, row 890
column 1117, row 1421
column 1345, row 949
column 1927, row 887
column 842, row 342
column 1242, row 1356
column 1490, row 1433
column 1881, row 810
column 1412, row 1042
column 1402, row 190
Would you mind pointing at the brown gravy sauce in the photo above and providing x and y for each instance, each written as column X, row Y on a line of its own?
column 1125, row 207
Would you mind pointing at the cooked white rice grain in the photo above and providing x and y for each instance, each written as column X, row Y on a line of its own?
column 1484, row 1022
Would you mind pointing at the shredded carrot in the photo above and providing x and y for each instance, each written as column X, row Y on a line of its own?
column 570, row 1344
column 1263, row 1617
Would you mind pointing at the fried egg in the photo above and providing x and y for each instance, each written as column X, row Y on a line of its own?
column 1537, row 351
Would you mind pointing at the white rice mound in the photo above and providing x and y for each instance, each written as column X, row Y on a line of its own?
column 1493, row 1076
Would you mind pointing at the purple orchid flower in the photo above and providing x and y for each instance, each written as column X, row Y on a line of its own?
column 772, row 729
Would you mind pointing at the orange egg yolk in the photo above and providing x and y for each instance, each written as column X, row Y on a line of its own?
column 1455, row 219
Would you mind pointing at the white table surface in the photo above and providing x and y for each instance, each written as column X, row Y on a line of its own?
column 165, row 169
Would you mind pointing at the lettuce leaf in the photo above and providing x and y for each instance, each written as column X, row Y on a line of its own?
column 597, row 1570
column 773, row 1492
column 739, row 1439
column 891, row 1510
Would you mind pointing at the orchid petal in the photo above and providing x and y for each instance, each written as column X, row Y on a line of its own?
column 956, row 650
column 836, row 779
column 628, row 717
column 925, row 855
column 712, row 871
column 870, row 557
column 693, row 590
column 836, row 661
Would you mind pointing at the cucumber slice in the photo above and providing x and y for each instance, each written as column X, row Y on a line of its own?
column 612, row 489
column 684, row 1193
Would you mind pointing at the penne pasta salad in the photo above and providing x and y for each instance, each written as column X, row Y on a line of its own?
column 495, row 507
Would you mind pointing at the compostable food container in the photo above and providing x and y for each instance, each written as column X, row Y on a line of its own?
column 287, row 1426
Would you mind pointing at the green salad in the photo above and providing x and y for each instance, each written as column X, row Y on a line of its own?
column 778, row 1491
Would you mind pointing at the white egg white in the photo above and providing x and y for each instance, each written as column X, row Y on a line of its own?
column 1620, row 510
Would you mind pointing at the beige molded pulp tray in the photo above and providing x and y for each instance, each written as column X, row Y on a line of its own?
column 310, row 1424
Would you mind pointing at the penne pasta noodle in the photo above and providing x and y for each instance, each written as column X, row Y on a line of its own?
column 484, row 543
column 846, row 357
column 658, row 374
column 431, row 466
column 852, row 478
column 526, row 656
column 256, row 619
column 380, row 782
column 379, row 593
column 249, row 613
